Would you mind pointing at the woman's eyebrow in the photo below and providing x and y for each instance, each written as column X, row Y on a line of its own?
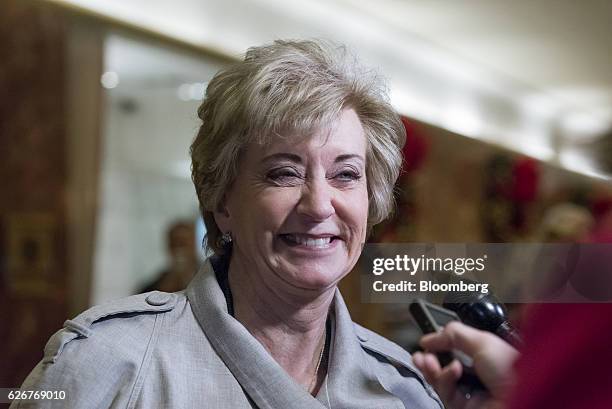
column 345, row 157
column 283, row 156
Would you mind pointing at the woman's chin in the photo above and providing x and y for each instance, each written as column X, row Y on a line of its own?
column 317, row 277
column 318, row 281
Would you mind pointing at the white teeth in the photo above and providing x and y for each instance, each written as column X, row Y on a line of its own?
column 306, row 241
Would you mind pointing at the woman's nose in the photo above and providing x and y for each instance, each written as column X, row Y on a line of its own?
column 316, row 201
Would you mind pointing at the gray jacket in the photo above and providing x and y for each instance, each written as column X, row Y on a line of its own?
column 183, row 350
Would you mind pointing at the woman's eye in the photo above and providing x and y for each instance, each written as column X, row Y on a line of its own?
column 283, row 175
column 347, row 175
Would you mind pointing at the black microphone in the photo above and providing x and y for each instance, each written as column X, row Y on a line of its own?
column 485, row 312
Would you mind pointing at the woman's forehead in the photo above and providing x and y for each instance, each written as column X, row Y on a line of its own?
column 344, row 135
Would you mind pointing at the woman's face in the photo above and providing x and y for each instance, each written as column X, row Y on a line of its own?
column 299, row 206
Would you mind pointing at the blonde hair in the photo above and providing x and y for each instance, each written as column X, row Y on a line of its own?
column 284, row 89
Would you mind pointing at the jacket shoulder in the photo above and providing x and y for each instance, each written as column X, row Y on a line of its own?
column 97, row 357
column 132, row 314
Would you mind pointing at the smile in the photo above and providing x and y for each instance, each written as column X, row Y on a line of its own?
column 314, row 242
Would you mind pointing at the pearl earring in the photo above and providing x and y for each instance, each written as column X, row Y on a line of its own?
column 226, row 238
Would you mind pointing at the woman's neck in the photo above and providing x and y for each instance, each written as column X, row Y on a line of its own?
column 290, row 327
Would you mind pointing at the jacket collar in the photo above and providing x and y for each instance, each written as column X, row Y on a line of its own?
column 350, row 381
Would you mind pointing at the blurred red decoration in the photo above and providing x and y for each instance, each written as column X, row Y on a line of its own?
column 601, row 207
column 602, row 211
column 525, row 180
column 511, row 184
column 415, row 149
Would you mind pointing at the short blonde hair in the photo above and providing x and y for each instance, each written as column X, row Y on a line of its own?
column 292, row 88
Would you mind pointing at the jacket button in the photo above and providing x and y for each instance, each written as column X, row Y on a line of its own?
column 157, row 298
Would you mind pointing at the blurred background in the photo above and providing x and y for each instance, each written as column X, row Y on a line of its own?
column 507, row 106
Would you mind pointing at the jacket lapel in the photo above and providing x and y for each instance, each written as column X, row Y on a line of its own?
column 264, row 381
column 351, row 381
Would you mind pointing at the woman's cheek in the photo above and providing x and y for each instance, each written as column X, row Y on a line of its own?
column 363, row 206
column 358, row 212
column 272, row 200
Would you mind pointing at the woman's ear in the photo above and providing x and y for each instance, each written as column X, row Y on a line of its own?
column 222, row 217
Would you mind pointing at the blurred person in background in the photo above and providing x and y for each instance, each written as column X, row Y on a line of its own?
column 181, row 245
column 565, row 222
column 295, row 161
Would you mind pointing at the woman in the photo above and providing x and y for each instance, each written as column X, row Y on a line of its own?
column 295, row 160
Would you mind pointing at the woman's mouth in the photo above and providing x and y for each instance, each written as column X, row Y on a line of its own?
column 309, row 241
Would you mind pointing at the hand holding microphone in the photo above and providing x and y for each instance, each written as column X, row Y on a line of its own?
column 484, row 349
column 492, row 357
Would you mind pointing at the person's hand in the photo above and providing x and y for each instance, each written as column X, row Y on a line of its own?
column 493, row 361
